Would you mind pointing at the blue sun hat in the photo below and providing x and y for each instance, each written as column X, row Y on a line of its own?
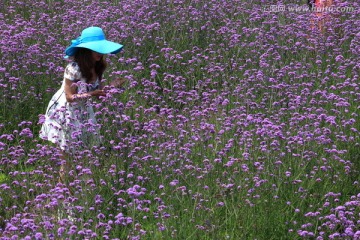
column 93, row 38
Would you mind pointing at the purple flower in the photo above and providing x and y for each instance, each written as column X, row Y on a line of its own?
column 174, row 182
column 38, row 235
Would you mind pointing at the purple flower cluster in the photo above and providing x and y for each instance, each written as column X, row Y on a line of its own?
column 334, row 221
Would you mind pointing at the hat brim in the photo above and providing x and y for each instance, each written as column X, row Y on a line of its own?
column 102, row 46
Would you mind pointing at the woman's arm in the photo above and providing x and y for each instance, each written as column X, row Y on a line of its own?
column 71, row 95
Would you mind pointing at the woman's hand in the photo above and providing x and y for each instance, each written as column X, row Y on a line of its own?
column 97, row 93
column 118, row 82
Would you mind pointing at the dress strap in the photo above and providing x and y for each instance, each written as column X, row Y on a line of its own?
column 55, row 102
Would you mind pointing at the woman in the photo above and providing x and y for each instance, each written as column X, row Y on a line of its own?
column 70, row 120
column 321, row 8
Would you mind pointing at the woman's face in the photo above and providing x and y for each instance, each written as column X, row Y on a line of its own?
column 96, row 56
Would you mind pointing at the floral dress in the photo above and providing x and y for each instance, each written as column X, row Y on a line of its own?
column 71, row 124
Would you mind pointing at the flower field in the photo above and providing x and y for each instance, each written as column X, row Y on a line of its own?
column 235, row 122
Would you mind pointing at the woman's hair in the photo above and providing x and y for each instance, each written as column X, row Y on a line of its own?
column 82, row 57
column 311, row 3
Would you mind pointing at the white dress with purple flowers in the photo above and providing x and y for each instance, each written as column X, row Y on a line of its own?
column 71, row 124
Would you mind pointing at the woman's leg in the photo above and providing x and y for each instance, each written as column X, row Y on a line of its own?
column 64, row 167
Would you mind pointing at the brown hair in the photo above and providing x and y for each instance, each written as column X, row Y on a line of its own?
column 82, row 57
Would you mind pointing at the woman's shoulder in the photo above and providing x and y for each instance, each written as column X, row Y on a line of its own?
column 72, row 66
column 72, row 71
